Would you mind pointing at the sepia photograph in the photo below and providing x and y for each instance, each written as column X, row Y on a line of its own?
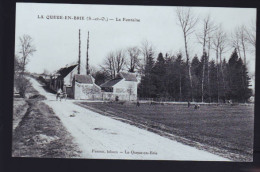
column 134, row 82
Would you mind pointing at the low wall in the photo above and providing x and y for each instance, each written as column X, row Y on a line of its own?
column 121, row 97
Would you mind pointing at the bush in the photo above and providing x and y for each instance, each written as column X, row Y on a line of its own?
column 22, row 84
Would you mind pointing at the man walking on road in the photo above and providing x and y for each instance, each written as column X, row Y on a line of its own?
column 58, row 93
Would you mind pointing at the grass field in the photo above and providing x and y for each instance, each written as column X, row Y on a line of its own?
column 225, row 130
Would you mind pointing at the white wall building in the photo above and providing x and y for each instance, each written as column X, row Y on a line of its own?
column 84, row 88
column 124, row 86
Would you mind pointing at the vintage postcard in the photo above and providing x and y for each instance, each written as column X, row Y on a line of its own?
column 134, row 82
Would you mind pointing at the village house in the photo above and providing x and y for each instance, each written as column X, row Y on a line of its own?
column 60, row 78
column 122, row 87
column 84, row 87
column 75, row 85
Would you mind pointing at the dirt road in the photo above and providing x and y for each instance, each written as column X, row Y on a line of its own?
column 101, row 137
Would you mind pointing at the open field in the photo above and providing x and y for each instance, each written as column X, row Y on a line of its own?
column 224, row 130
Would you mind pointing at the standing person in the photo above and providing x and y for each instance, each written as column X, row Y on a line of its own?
column 58, row 93
column 188, row 103
column 137, row 103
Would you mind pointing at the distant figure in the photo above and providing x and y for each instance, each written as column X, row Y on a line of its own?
column 152, row 103
column 188, row 103
column 137, row 104
column 196, row 106
column 58, row 93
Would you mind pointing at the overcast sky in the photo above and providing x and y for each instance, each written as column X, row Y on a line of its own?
column 56, row 40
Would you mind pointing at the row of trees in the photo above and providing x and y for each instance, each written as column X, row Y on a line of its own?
column 212, row 36
column 168, row 77
column 186, row 78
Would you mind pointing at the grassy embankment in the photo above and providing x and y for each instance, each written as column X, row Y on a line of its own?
column 38, row 132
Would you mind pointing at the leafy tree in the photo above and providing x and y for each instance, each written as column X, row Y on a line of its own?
column 182, row 81
column 146, row 87
column 158, row 76
column 196, row 71
column 239, row 80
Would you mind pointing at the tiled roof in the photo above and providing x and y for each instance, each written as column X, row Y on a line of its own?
column 128, row 76
column 111, row 82
column 66, row 70
column 86, row 79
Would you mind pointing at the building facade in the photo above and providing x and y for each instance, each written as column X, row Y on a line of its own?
column 123, row 87
column 84, row 88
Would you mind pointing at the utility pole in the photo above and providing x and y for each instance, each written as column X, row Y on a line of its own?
column 79, row 54
column 87, row 65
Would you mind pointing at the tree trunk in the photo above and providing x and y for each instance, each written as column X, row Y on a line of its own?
column 203, row 68
column 189, row 70
column 244, row 51
column 208, row 73
column 180, row 88
column 223, row 77
column 202, row 81
column 217, row 75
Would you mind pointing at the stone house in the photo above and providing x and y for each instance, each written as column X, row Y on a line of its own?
column 123, row 86
column 84, row 87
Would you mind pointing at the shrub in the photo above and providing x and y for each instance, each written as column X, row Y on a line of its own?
column 22, row 84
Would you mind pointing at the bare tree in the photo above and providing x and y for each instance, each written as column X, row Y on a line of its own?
column 208, row 78
column 114, row 63
column 235, row 41
column 145, row 46
column 240, row 41
column 147, row 49
column 133, row 61
column 220, row 46
column 187, row 21
column 120, row 60
column 208, row 28
column 242, row 38
column 27, row 50
column 216, row 44
column 251, row 35
column 109, row 65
